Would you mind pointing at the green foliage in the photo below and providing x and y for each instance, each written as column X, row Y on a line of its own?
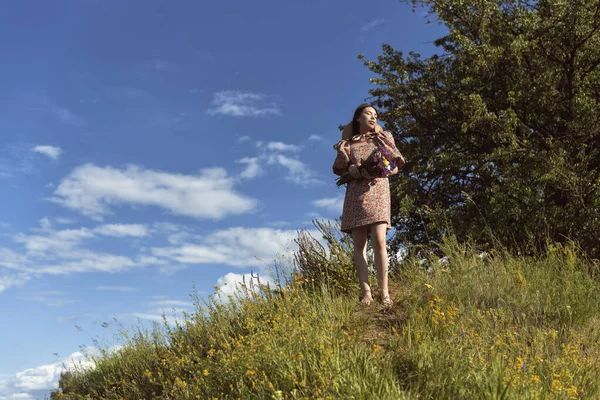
column 475, row 326
column 501, row 129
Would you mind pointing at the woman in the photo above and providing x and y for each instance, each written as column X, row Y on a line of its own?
column 367, row 202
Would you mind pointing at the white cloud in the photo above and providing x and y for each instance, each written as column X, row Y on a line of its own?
column 372, row 25
column 193, row 254
column 294, row 166
column 50, row 299
column 7, row 281
column 231, row 283
column 50, row 151
column 253, row 168
column 298, row 172
column 157, row 317
column 37, row 382
column 315, row 138
column 243, row 104
column 311, row 217
column 16, row 159
column 11, row 259
column 43, row 104
column 150, row 260
column 175, row 233
column 65, row 115
column 160, row 65
column 92, row 190
column 238, row 247
column 167, row 227
column 45, row 223
column 173, row 316
column 62, row 252
column 122, row 289
column 333, row 204
column 64, row 221
column 53, row 241
column 278, row 224
column 243, row 139
column 59, row 252
column 63, row 244
column 52, row 293
column 86, row 261
column 179, row 237
column 171, row 303
column 121, row 230
column 272, row 154
column 171, row 310
column 279, row 146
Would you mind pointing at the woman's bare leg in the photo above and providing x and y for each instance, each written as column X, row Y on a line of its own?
column 359, row 238
column 379, row 244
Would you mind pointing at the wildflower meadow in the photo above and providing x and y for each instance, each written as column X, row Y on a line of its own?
column 472, row 325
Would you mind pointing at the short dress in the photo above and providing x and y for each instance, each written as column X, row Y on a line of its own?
column 367, row 201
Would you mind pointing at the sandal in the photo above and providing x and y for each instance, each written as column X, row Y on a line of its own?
column 386, row 301
column 366, row 299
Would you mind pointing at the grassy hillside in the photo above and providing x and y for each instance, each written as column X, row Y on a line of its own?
column 493, row 326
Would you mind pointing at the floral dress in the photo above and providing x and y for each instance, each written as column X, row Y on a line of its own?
column 367, row 201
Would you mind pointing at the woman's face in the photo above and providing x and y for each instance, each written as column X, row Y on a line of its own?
column 367, row 119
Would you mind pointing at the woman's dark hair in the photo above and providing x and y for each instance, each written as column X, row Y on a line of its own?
column 357, row 112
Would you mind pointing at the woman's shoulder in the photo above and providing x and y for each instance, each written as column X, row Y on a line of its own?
column 386, row 135
column 347, row 138
column 383, row 133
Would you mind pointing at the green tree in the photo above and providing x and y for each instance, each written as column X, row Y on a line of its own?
column 501, row 128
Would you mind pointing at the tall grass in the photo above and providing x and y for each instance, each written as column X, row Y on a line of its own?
column 475, row 326
column 498, row 326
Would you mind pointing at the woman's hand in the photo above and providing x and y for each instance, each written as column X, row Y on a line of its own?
column 400, row 162
column 354, row 171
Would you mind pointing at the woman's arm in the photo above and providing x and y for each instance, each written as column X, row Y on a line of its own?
column 398, row 157
column 342, row 159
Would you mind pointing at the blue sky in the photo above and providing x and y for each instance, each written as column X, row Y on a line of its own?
column 149, row 145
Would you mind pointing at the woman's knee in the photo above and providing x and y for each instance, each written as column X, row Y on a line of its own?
column 379, row 247
column 378, row 237
column 359, row 236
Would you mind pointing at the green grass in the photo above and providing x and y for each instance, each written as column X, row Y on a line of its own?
column 476, row 327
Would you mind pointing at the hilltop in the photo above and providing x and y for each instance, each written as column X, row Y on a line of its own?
column 475, row 326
